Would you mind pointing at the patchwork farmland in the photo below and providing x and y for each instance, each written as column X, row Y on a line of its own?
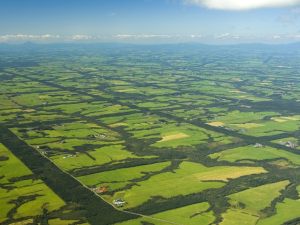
column 142, row 135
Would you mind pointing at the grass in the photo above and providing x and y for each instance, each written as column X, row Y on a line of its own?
column 246, row 206
column 122, row 176
column 239, row 117
column 238, row 217
column 8, row 167
column 44, row 196
column 58, row 221
column 146, row 127
column 187, row 179
column 99, row 156
column 175, row 136
column 190, row 215
column 47, row 199
column 285, row 211
column 252, row 153
column 216, row 124
column 263, row 195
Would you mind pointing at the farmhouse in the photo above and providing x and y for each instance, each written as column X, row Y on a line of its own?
column 258, row 145
column 119, row 202
column 101, row 190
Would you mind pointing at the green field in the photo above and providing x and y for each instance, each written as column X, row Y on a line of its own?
column 24, row 197
column 190, row 178
column 255, row 153
column 193, row 214
column 135, row 134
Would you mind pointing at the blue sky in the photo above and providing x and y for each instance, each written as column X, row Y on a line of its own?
column 150, row 21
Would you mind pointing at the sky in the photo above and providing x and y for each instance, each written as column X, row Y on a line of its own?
column 150, row 21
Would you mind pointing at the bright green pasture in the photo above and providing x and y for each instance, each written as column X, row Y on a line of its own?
column 11, row 168
column 194, row 135
column 6, row 102
column 151, row 126
column 252, row 123
column 238, row 117
column 48, row 200
column 70, row 136
column 14, row 168
column 267, row 128
column 285, row 211
column 38, row 116
column 96, row 157
column 195, row 214
column 120, row 177
column 187, row 179
column 96, row 108
column 258, row 198
column 255, row 153
column 238, row 217
column 36, row 99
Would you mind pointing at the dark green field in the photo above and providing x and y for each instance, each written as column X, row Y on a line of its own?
column 143, row 135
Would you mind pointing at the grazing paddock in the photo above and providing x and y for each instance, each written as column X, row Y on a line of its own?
column 175, row 136
column 191, row 215
column 216, row 124
column 255, row 153
column 187, row 179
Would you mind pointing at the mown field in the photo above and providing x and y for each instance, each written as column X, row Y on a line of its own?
column 144, row 135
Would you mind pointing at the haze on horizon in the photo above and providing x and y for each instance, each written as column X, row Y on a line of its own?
column 150, row 21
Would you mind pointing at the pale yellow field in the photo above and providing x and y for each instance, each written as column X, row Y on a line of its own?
column 216, row 124
column 236, row 91
column 285, row 118
column 29, row 110
column 118, row 124
column 173, row 137
column 248, row 125
column 228, row 173
column 24, row 222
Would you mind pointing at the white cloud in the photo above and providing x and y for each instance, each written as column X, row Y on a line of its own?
column 227, row 36
column 81, row 37
column 243, row 4
column 28, row 37
column 141, row 36
column 276, row 37
column 294, row 36
column 196, row 36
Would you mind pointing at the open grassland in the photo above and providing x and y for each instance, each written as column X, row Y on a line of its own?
column 255, row 153
column 169, row 130
column 239, row 117
column 119, row 178
column 163, row 132
column 263, row 196
column 187, row 179
column 192, row 215
column 170, row 137
column 78, row 144
column 21, row 196
column 99, row 156
column 257, row 124
column 238, row 217
column 285, row 211
column 247, row 206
